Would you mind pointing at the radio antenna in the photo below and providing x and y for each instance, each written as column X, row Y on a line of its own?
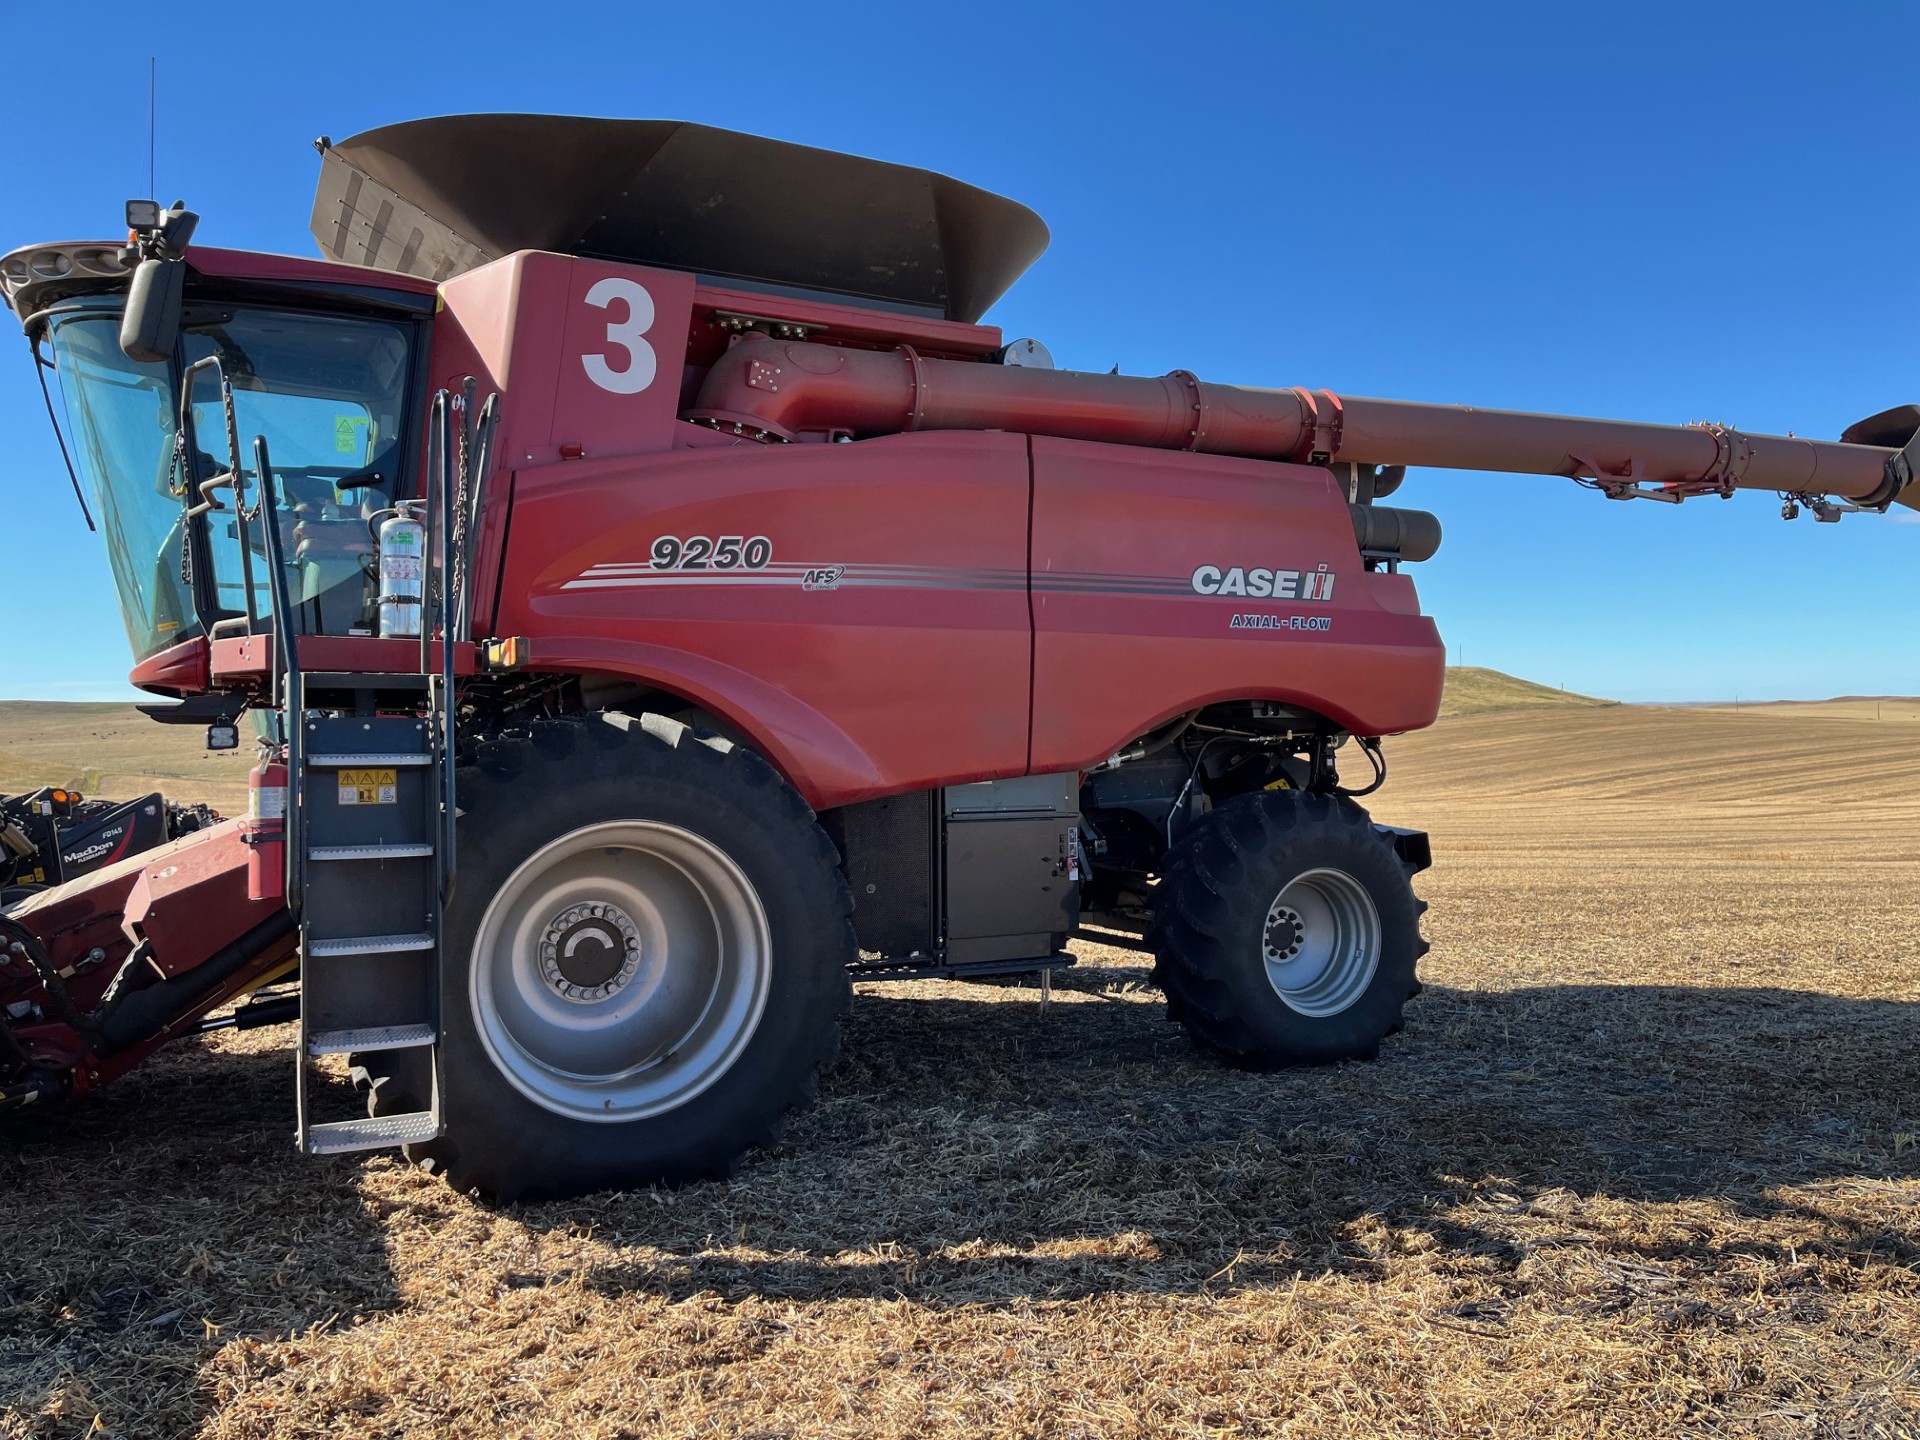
column 153, row 70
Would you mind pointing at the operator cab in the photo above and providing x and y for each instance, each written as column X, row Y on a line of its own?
column 330, row 369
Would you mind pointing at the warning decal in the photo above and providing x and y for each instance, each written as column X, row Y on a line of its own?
column 368, row 787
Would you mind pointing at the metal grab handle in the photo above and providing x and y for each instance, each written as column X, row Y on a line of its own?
column 437, row 433
column 449, row 603
column 287, row 682
column 438, row 604
column 480, row 469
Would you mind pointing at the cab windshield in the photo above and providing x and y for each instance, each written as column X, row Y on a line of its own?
column 328, row 392
column 121, row 416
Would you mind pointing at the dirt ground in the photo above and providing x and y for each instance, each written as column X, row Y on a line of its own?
column 1645, row 1161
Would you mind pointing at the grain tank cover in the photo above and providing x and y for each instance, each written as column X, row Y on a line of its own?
column 435, row 197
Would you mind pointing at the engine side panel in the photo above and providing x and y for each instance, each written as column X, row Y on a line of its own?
column 1148, row 570
column 858, row 610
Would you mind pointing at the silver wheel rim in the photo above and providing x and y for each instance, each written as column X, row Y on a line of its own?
column 1321, row 942
column 620, row 971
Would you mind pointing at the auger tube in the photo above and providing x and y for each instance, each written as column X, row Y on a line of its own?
column 779, row 389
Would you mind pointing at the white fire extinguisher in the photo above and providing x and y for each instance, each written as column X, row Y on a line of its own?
column 401, row 542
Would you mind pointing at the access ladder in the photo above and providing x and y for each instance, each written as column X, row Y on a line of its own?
column 370, row 822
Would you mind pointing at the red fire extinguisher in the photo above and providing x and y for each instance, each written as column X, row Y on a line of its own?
column 265, row 829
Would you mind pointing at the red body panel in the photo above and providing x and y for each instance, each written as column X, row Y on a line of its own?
column 180, row 669
column 1122, row 640
column 908, row 661
column 240, row 658
column 191, row 899
column 902, row 663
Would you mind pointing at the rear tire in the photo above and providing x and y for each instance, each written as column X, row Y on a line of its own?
column 645, row 962
column 1286, row 932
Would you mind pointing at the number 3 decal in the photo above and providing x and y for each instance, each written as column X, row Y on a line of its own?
column 637, row 374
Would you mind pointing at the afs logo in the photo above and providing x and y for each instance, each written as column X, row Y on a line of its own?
column 823, row 577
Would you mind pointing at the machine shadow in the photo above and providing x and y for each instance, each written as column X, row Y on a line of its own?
column 159, row 1219
column 986, row 1151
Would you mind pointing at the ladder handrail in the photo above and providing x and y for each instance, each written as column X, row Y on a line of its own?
column 479, row 468
column 439, row 603
column 450, row 602
column 429, row 559
column 287, row 679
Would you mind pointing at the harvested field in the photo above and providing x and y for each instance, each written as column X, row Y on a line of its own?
column 114, row 752
column 1645, row 1161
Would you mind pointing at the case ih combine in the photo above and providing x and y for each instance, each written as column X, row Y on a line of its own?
column 664, row 601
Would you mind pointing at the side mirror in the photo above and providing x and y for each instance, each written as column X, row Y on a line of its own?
column 151, row 324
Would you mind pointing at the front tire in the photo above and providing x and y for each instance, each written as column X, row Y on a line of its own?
column 1286, row 932
column 645, row 962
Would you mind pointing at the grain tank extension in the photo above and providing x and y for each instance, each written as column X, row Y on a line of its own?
column 664, row 602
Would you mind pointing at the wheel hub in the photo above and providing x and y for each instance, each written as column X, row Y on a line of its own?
column 589, row 952
column 1286, row 933
column 620, row 970
column 1321, row 942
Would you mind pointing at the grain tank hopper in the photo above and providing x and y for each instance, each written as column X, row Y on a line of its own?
column 666, row 602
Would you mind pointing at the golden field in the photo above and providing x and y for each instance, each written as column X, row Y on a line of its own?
column 1644, row 1162
column 115, row 752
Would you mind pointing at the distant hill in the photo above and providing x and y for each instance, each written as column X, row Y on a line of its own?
column 1476, row 690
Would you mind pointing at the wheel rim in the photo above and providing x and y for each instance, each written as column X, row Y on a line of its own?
column 620, row 971
column 1321, row 942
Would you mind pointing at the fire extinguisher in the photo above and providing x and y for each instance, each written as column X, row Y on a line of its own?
column 400, row 543
column 264, row 831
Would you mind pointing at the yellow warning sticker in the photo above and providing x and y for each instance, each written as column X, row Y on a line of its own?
column 368, row 787
column 346, row 433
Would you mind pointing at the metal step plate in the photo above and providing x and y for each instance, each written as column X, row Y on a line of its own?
column 376, row 1037
column 346, row 1135
column 369, row 852
column 372, row 761
column 368, row 945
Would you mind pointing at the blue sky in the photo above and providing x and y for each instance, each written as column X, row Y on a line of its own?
column 1663, row 212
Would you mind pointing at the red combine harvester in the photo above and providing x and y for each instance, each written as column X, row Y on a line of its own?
column 663, row 602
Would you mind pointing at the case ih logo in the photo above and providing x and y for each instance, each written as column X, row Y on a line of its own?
column 1315, row 584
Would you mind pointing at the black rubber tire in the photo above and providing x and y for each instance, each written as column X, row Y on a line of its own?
column 1211, row 907
column 527, row 790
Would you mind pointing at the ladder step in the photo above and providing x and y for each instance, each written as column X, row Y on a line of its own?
column 368, row 945
column 376, row 1037
column 369, row 852
column 374, row 761
column 342, row 1136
